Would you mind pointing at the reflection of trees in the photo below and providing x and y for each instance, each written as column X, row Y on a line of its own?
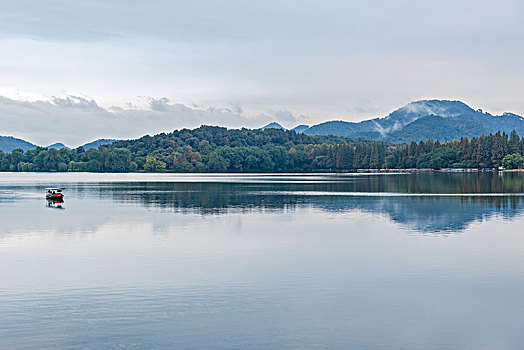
column 424, row 213
column 203, row 197
column 446, row 183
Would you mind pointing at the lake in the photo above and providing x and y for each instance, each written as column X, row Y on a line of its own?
column 262, row 261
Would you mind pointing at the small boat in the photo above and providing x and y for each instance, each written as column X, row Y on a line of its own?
column 54, row 194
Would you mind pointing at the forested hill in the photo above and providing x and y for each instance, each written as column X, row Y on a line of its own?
column 425, row 120
column 9, row 143
column 217, row 149
column 215, row 136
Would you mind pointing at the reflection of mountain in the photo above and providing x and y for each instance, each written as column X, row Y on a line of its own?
column 433, row 214
column 402, row 198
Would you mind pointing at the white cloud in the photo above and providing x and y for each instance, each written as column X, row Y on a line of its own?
column 75, row 120
column 329, row 59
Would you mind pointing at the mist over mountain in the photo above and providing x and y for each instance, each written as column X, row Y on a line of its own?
column 424, row 120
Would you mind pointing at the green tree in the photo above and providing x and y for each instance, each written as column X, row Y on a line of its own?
column 17, row 156
column 118, row 160
column 217, row 163
column 77, row 166
column 23, row 166
column 514, row 142
column 51, row 160
column 512, row 161
column 154, row 165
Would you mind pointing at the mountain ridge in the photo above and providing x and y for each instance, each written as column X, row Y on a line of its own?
column 422, row 120
column 442, row 120
column 10, row 143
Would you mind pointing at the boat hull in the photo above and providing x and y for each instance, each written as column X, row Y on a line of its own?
column 55, row 197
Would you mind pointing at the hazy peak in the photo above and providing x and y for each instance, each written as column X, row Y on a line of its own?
column 300, row 128
column 97, row 143
column 57, row 145
column 442, row 108
column 273, row 125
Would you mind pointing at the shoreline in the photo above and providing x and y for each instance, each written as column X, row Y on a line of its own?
column 312, row 172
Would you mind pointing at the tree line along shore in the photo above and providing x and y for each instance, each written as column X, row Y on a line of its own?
column 218, row 149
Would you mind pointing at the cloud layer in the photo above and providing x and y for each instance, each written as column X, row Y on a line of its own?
column 327, row 59
column 75, row 120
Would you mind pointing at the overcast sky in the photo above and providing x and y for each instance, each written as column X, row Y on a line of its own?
column 74, row 71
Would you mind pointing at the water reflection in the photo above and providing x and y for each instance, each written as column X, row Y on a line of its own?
column 266, row 262
column 420, row 202
column 415, row 208
column 55, row 203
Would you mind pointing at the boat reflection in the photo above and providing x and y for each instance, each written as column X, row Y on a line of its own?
column 56, row 204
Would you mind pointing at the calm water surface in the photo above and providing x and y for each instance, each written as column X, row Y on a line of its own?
column 143, row 261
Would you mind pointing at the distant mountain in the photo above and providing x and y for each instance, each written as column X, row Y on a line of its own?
column 423, row 120
column 441, row 120
column 57, row 145
column 9, row 143
column 273, row 125
column 300, row 128
column 95, row 144
column 90, row 145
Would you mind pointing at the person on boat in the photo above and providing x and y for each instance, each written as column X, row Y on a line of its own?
column 54, row 194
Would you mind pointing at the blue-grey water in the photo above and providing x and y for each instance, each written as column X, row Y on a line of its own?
column 158, row 261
